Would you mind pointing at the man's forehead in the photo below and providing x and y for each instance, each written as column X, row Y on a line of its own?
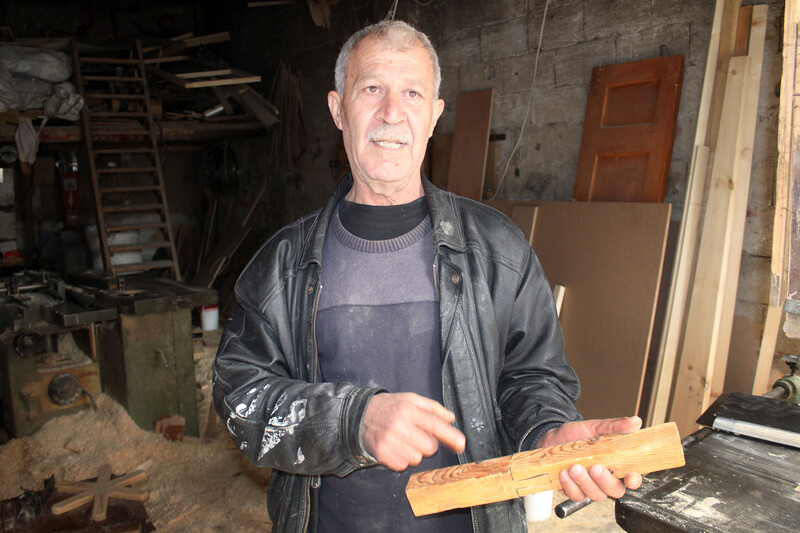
column 380, row 47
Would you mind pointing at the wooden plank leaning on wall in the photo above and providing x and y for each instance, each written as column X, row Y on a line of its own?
column 788, row 137
column 720, row 49
column 706, row 338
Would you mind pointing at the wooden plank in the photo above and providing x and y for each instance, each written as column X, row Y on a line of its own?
column 205, row 73
column 255, row 104
column 494, row 480
column 745, row 340
column 745, row 145
column 558, row 296
column 471, row 143
column 719, row 52
column 629, row 130
column 696, row 362
column 193, row 42
column 766, row 352
column 610, row 256
column 788, row 124
column 524, row 216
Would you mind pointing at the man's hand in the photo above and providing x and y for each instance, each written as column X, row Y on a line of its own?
column 597, row 483
column 401, row 428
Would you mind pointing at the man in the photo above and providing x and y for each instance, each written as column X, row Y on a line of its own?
column 357, row 325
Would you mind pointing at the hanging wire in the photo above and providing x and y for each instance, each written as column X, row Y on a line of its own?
column 530, row 103
column 392, row 11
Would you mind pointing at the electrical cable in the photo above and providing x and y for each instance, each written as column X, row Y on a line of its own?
column 392, row 11
column 530, row 103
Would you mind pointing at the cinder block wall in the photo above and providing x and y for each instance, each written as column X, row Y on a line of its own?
column 494, row 44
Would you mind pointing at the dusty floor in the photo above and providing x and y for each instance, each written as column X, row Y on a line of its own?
column 195, row 486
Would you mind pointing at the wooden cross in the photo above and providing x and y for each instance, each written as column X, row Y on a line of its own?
column 100, row 491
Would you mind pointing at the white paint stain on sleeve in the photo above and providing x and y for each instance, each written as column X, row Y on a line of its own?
column 300, row 456
column 280, row 426
column 244, row 410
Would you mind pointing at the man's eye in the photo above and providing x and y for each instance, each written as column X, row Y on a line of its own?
column 413, row 94
column 372, row 89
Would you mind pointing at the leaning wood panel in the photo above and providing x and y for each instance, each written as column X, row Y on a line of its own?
column 609, row 256
column 471, row 143
column 514, row 476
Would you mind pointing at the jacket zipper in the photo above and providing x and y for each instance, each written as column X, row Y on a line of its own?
column 448, row 403
column 315, row 481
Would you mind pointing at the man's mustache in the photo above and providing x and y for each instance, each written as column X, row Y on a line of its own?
column 389, row 133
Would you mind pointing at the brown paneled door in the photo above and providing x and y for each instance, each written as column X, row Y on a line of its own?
column 628, row 132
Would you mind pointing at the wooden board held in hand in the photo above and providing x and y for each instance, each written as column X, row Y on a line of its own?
column 514, row 476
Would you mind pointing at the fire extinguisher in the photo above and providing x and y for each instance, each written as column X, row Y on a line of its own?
column 70, row 189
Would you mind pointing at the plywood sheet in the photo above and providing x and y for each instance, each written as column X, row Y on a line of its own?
column 470, row 143
column 609, row 257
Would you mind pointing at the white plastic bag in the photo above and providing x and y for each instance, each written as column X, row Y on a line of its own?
column 48, row 65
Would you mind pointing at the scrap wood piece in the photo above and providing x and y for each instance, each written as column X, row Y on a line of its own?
column 255, row 104
column 232, row 238
column 100, row 491
column 513, row 476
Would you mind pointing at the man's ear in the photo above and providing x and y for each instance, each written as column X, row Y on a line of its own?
column 438, row 109
column 335, row 106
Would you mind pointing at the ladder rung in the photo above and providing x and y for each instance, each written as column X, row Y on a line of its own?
column 125, row 170
column 108, row 61
column 133, row 227
column 124, row 150
column 132, row 208
column 130, row 188
column 110, row 96
column 120, row 79
column 147, row 265
column 138, row 246
column 121, row 114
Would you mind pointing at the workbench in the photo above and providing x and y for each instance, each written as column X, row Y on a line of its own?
column 730, row 484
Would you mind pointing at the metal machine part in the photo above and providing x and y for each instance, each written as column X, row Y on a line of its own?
column 47, row 350
column 788, row 387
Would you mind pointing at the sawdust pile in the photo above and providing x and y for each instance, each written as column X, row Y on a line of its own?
column 194, row 485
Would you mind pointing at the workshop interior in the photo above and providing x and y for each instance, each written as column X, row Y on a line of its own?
column 147, row 150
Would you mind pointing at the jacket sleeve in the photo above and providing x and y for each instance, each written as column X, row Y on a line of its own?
column 538, row 389
column 274, row 418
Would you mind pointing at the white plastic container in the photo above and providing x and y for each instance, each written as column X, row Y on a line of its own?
column 539, row 506
column 209, row 317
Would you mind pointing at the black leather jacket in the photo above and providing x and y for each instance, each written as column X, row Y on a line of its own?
column 504, row 371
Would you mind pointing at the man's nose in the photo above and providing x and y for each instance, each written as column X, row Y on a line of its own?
column 391, row 110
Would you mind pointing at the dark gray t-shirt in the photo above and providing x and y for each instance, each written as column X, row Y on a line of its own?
column 378, row 326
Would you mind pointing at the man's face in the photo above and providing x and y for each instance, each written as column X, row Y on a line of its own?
column 387, row 116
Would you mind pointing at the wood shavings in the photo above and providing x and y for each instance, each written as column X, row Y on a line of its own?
column 194, row 485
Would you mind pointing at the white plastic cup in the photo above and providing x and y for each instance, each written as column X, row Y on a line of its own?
column 539, row 506
column 209, row 317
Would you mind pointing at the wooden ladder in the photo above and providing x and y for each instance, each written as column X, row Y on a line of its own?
column 121, row 144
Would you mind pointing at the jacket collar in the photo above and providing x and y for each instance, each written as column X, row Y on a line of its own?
column 445, row 219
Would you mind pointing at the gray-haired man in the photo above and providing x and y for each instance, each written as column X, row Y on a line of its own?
column 397, row 318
